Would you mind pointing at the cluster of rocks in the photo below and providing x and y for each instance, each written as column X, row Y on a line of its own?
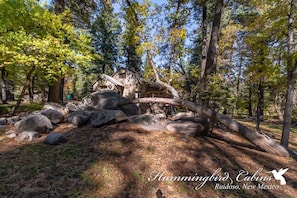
column 101, row 108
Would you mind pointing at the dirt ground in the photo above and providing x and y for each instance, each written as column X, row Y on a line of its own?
column 122, row 160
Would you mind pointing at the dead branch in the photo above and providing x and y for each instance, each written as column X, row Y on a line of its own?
column 262, row 141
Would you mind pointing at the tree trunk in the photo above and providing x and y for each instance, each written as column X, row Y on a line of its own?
column 53, row 92
column 291, row 77
column 54, row 89
column 262, row 141
column 61, row 90
column 3, row 86
column 210, row 67
column 26, row 85
column 31, row 90
column 237, row 84
column 204, row 39
column 288, row 110
column 260, row 105
column 250, row 102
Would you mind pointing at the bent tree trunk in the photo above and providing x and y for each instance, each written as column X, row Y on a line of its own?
column 26, row 85
column 262, row 141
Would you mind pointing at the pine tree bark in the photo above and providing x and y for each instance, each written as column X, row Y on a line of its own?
column 291, row 77
column 210, row 65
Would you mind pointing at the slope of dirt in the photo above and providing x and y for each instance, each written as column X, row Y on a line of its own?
column 122, row 160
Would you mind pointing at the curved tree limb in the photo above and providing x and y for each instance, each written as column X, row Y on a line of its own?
column 264, row 142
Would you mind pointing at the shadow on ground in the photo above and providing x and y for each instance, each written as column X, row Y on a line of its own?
column 118, row 160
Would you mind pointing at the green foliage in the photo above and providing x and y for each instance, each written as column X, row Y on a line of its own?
column 105, row 30
column 4, row 109
column 34, row 39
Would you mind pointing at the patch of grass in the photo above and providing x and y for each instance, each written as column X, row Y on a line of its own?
column 26, row 107
column 5, row 109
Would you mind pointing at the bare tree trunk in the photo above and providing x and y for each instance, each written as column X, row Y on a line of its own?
column 3, row 86
column 291, row 76
column 26, row 85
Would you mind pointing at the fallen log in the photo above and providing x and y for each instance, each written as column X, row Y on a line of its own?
column 264, row 142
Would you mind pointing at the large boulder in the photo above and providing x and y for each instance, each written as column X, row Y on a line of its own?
column 107, row 99
column 12, row 120
column 54, row 116
column 149, row 122
column 55, row 138
column 191, row 126
column 36, row 122
column 99, row 118
column 55, row 106
column 27, row 136
column 79, row 118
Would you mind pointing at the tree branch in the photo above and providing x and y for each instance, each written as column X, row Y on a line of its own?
column 264, row 142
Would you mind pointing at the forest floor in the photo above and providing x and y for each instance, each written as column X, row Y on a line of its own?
column 122, row 160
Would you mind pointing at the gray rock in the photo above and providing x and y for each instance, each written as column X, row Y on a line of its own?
column 54, row 116
column 192, row 126
column 107, row 99
column 3, row 121
column 13, row 120
column 71, row 107
column 36, row 122
column 55, row 138
column 57, row 107
column 99, row 118
column 79, row 118
column 27, row 136
column 149, row 122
